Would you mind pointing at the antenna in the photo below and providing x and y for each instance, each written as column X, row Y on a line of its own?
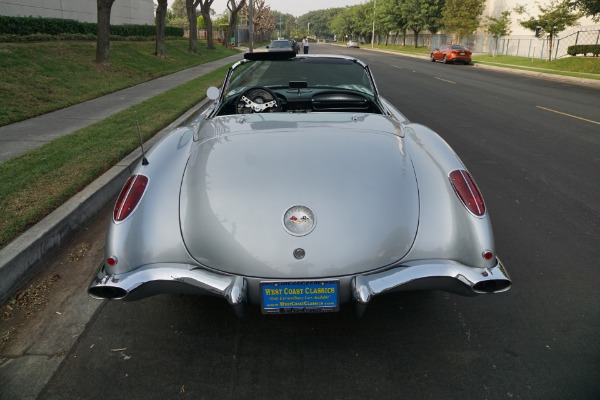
column 144, row 159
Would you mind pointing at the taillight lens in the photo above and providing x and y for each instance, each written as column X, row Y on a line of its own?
column 130, row 196
column 467, row 191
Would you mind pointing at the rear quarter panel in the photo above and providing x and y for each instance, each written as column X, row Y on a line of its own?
column 446, row 229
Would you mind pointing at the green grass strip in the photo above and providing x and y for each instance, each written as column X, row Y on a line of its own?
column 40, row 77
column 38, row 182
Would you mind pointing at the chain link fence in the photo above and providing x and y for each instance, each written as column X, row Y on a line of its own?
column 521, row 46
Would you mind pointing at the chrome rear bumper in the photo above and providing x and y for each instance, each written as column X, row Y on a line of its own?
column 443, row 275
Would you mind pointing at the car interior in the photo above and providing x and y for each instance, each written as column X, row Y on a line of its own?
column 298, row 84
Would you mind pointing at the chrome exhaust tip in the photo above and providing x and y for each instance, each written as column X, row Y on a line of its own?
column 107, row 292
column 492, row 286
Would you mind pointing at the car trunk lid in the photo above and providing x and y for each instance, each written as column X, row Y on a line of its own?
column 356, row 182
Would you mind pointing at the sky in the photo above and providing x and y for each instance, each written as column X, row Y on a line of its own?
column 296, row 8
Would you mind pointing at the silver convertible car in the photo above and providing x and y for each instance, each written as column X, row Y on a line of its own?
column 298, row 188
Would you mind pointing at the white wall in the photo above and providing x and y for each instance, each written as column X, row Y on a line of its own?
column 494, row 8
column 123, row 11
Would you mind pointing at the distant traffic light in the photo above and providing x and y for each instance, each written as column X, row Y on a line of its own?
column 537, row 31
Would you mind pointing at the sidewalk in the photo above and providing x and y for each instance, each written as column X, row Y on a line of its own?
column 20, row 137
column 20, row 258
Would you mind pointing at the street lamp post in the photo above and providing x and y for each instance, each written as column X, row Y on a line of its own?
column 280, row 25
column 308, row 29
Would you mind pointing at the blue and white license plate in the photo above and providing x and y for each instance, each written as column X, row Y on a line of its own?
column 299, row 297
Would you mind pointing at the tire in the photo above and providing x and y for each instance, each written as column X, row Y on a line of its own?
column 444, row 60
column 431, row 58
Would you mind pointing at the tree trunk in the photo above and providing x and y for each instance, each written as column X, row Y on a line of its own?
column 190, row 6
column 161, row 12
column 209, row 30
column 416, row 32
column 233, row 19
column 205, row 11
column 230, row 30
column 103, row 34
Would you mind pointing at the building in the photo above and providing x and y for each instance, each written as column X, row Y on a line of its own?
column 494, row 8
column 138, row 12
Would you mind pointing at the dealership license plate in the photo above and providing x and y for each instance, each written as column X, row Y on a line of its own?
column 299, row 297
column 462, row 54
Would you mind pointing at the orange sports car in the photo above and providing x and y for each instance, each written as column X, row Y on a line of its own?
column 450, row 53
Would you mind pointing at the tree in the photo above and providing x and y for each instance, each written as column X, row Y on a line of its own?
column 319, row 23
column 553, row 19
column 411, row 9
column 161, row 13
column 498, row 27
column 422, row 14
column 177, row 14
column 179, row 9
column 283, row 27
column 434, row 15
column 361, row 16
column 462, row 17
column 233, row 18
column 103, row 35
column 205, row 11
column 342, row 24
column 390, row 18
column 191, row 6
column 264, row 23
column 589, row 8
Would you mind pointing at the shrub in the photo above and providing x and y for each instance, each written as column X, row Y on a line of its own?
column 584, row 49
column 38, row 29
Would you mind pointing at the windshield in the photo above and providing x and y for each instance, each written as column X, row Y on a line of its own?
column 317, row 72
column 281, row 44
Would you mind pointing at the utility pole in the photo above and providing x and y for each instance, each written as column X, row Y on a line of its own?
column 373, row 34
column 251, row 25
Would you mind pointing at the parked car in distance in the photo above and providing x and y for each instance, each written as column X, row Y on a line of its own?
column 280, row 45
column 450, row 53
column 352, row 44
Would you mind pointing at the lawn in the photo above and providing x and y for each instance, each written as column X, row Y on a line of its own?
column 588, row 67
column 45, row 76
column 40, row 77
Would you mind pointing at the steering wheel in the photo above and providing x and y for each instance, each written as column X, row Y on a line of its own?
column 256, row 100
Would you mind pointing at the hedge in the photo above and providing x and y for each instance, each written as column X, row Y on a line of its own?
column 43, row 37
column 24, row 26
column 584, row 49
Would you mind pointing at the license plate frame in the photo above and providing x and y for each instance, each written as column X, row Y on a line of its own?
column 288, row 297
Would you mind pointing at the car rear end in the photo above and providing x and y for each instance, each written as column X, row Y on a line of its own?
column 460, row 54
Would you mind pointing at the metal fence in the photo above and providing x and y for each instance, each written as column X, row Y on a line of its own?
column 521, row 46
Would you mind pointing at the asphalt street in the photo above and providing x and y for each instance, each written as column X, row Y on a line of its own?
column 533, row 146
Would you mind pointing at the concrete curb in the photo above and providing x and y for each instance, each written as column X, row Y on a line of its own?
column 20, row 259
